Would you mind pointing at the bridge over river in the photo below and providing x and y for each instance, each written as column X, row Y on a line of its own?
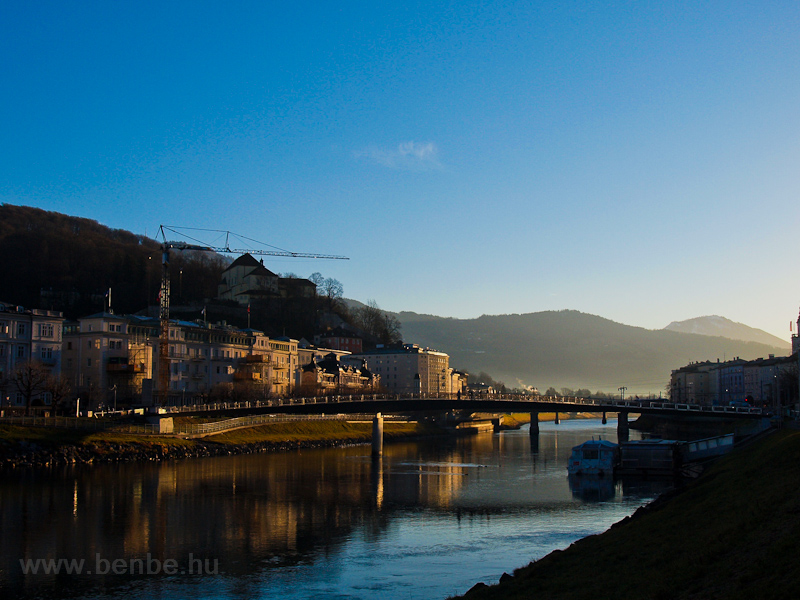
column 494, row 403
column 380, row 404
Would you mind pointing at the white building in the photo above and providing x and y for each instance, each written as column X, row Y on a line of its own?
column 409, row 369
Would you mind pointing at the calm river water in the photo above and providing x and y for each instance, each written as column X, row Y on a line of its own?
column 428, row 520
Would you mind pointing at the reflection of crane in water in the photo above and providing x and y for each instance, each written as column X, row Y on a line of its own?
column 163, row 295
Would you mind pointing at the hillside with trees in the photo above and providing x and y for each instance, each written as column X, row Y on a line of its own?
column 65, row 263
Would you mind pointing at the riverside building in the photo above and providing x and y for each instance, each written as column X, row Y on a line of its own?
column 409, row 369
column 28, row 335
column 110, row 357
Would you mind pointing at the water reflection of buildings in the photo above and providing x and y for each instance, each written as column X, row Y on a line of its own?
column 242, row 510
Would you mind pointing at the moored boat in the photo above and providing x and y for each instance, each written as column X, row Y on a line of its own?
column 594, row 457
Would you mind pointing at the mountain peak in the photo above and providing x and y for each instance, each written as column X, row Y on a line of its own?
column 715, row 325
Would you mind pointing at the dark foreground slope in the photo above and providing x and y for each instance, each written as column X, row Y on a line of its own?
column 733, row 534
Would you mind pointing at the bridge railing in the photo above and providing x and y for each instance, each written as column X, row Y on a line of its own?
column 567, row 401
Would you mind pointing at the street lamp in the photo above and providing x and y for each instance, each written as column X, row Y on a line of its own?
column 114, row 389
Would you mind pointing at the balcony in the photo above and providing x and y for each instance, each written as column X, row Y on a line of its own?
column 257, row 358
column 125, row 368
column 247, row 376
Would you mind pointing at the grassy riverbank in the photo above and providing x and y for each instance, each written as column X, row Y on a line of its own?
column 733, row 533
column 41, row 446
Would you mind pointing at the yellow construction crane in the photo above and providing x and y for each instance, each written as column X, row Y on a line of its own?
column 166, row 246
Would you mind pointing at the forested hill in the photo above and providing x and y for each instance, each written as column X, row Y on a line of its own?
column 571, row 349
column 51, row 260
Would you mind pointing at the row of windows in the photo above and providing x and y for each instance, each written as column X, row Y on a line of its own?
column 46, row 330
column 21, row 328
column 19, row 351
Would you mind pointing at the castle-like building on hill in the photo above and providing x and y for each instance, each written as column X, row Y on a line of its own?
column 247, row 280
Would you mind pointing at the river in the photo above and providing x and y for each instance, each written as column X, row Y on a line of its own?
column 427, row 520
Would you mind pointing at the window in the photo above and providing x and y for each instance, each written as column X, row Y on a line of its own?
column 97, row 343
column 20, row 351
column 3, row 327
column 69, row 345
column 20, row 328
column 47, row 352
column 45, row 330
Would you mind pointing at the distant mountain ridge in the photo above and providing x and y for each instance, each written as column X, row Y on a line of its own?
column 571, row 349
column 720, row 326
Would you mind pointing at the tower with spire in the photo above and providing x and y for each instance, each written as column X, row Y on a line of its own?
column 796, row 337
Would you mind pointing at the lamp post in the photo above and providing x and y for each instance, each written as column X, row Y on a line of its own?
column 114, row 389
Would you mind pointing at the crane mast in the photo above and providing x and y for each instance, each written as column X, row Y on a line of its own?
column 163, row 312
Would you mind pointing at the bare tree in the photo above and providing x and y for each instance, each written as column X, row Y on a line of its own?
column 377, row 323
column 332, row 291
column 59, row 388
column 30, row 379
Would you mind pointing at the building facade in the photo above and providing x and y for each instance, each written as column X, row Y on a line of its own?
column 28, row 336
column 111, row 358
column 409, row 369
column 770, row 383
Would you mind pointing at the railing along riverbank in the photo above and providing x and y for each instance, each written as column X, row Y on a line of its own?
column 115, row 426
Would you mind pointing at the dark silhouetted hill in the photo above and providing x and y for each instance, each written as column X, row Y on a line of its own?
column 66, row 263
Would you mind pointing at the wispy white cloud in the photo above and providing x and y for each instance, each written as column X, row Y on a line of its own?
column 409, row 156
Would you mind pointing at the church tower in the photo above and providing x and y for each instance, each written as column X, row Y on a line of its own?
column 796, row 337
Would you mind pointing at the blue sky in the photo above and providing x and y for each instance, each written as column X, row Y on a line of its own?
column 639, row 161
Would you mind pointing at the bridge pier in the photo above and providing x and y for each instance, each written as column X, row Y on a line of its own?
column 534, row 423
column 605, row 421
column 377, row 435
column 623, row 430
column 557, row 422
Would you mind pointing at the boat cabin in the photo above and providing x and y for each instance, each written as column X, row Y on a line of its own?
column 595, row 457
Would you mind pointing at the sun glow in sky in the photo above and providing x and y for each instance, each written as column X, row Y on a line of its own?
column 640, row 162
